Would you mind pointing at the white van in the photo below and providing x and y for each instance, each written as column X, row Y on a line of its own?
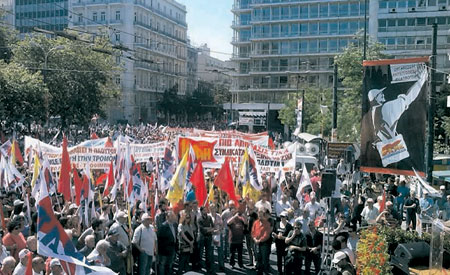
column 308, row 160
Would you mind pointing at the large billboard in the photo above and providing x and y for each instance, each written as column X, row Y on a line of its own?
column 394, row 116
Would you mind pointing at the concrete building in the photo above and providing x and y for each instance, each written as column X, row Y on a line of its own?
column 279, row 43
column 192, row 64
column 49, row 15
column 155, row 32
column 405, row 28
column 211, row 69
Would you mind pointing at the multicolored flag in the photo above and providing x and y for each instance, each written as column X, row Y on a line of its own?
column 54, row 242
column 177, row 184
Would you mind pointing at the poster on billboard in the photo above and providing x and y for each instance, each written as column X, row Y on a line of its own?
column 394, row 116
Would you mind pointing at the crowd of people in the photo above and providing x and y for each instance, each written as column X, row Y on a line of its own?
column 188, row 236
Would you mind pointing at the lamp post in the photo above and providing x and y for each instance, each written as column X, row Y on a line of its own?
column 46, row 55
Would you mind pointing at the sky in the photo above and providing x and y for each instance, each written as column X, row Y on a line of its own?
column 209, row 21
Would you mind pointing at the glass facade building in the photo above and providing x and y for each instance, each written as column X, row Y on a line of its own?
column 405, row 28
column 50, row 15
column 276, row 41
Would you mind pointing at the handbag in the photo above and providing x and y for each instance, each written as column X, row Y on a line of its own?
column 134, row 250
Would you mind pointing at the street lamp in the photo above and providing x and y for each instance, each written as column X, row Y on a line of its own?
column 46, row 54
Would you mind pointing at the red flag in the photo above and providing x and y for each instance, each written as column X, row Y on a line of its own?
column 224, row 180
column 94, row 135
column 101, row 179
column 17, row 153
column 198, row 181
column 271, row 144
column 78, row 186
column 109, row 143
column 29, row 270
column 110, row 182
column 383, row 202
column 64, row 174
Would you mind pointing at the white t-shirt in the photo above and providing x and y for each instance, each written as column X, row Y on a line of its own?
column 280, row 206
column 313, row 209
column 146, row 238
column 20, row 269
column 337, row 190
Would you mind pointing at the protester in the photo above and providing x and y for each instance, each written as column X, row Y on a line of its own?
column 261, row 234
column 281, row 231
column 296, row 246
column 144, row 239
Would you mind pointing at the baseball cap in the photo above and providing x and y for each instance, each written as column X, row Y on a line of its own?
column 54, row 262
column 121, row 214
column 370, row 200
column 113, row 231
column 23, row 253
column 145, row 216
column 284, row 214
column 338, row 257
column 17, row 202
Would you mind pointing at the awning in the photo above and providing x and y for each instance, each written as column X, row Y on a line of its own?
column 442, row 175
column 252, row 114
column 307, row 137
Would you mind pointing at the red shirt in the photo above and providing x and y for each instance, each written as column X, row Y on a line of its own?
column 261, row 230
column 11, row 239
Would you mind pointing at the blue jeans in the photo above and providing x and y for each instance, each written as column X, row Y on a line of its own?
column 145, row 263
column 166, row 264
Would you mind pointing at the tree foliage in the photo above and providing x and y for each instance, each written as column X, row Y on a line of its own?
column 79, row 80
column 442, row 121
column 287, row 114
column 20, row 95
column 350, row 71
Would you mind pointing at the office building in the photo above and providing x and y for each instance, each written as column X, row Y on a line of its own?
column 49, row 15
column 192, row 64
column 405, row 28
column 281, row 46
column 155, row 34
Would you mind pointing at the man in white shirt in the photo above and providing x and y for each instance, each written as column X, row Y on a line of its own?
column 336, row 198
column 149, row 165
column 144, row 239
column 22, row 266
column 38, row 266
column 369, row 213
column 282, row 205
column 56, row 267
column 313, row 207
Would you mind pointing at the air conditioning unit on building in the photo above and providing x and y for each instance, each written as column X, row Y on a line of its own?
column 392, row 11
column 411, row 9
column 443, row 8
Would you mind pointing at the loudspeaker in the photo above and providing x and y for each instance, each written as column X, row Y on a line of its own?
column 328, row 183
column 408, row 255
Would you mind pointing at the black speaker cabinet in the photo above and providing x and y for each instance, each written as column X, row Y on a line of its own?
column 411, row 254
column 328, row 183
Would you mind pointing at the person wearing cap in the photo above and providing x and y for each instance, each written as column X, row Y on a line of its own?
column 23, row 260
column 386, row 114
column 117, row 252
column 121, row 226
column 441, row 201
column 281, row 231
column 56, row 267
column 446, row 211
column 369, row 213
column 144, row 239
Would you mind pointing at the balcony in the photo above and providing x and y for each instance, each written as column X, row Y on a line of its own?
column 159, row 12
column 159, row 31
column 95, row 2
column 241, row 7
column 240, row 24
column 237, row 40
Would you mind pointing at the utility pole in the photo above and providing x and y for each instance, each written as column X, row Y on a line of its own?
column 267, row 115
column 431, row 109
column 335, row 99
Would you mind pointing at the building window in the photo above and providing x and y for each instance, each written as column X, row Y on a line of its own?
column 117, row 15
column 334, row 10
column 313, row 11
column 323, row 10
column 103, row 16
column 80, row 17
column 94, row 16
column 117, row 36
column 343, row 10
column 420, row 21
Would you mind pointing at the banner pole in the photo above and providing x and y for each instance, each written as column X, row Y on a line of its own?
column 431, row 109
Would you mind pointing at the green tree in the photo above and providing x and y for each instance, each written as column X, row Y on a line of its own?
column 442, row 121
column 79, row 79
column 20, row 94
column 350, row 71
column 287, row 114
column 170, row 103
column 7, row 38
